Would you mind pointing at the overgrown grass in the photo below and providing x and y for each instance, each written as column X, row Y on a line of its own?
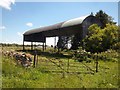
column 18, row 77
column 15, row 76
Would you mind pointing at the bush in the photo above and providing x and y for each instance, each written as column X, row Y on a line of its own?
column 109, row 55
column 116, row 46
column 99, row 40
column 81, row 55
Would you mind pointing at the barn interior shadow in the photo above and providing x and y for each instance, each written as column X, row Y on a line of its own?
column 46, row 54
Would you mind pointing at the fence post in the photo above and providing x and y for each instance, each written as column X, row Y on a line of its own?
column 63, row 74
column 97, row 63
column 68, row 66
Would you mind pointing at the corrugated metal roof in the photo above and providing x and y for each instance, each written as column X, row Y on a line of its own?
column 67, row 23
column 74, row 21
column 42, row 29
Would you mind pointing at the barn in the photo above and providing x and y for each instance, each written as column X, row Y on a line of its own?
column 78, row 25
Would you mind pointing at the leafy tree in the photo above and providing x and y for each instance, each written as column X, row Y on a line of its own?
column 62, row 42
column 76, row 39
column 104, row 18
column 110, row 36
column 93, row 39
column 99, row 40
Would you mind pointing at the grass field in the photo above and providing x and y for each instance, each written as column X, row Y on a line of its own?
column 59, row 75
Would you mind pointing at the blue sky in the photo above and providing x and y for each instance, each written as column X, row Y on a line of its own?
column 24, row 16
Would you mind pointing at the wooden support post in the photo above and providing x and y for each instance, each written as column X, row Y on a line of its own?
column 35, row 46
column 43, row 46
column 58, row 45
column 45, row 43
column 35, row 54
column 23, row 46
column 55, row 44
column 67, row 43
column 31, row 46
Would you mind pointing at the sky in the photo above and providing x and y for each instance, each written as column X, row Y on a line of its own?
column 18, row 17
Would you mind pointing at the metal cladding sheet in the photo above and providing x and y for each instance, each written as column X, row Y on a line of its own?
column 73, row 22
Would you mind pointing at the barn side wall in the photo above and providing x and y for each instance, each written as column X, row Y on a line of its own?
column 87, row 23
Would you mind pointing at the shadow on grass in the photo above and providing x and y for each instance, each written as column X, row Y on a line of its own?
column 46, row 54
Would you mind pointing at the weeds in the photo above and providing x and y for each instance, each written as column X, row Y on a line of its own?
column 14, row 76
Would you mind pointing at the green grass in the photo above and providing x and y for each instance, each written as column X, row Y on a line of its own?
column 15, row 76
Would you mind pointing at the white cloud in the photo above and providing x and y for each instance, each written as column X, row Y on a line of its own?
column 2, row 27
column 29, row 24
column 6, row 3
column 20, row 34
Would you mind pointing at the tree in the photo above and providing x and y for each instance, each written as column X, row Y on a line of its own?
column 104, row 18
column 99, row 40
column 110, row 36
column 62, row 42
column 76, row 39
column 93, row 39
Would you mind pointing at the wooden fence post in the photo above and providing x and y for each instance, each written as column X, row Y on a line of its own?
column 97, row 63
column 63, row 74
column 68, row 66
column 36, row 60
